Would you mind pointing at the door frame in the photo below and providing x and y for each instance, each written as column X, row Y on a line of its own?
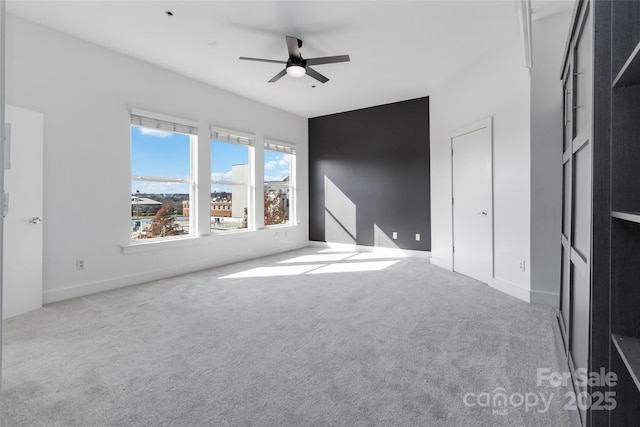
column 486, row 123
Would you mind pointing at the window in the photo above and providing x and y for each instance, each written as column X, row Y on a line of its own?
column 162, row 184
column 279, row 183
column 231, row 172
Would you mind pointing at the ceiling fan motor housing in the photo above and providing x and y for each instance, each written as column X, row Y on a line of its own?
column 293, row 61
column 296, row 66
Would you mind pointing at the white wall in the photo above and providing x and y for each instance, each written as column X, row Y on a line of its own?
column 549, row 36
column 85, row 93
column 497, row 85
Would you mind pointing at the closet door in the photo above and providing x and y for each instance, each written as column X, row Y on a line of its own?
column 565, row 281
column 575, row 308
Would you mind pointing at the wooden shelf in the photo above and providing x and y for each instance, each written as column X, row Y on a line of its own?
column 629, row 74
column 626, row 216
column 629, row 350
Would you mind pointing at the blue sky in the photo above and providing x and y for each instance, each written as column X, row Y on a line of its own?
column 158, row 153
column 166, row 154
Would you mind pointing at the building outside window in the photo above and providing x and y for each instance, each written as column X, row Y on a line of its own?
column 163, row 180
column 279, row 183
column 231, row 177
column 161, row 176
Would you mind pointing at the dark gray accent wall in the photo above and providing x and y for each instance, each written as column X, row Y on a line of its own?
column 369, row 176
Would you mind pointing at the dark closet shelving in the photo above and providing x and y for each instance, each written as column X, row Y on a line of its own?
column 612, row 299
column 627, row 216
column 625, row 150
column 624, row 258
column 629, row 75
column 629, row 350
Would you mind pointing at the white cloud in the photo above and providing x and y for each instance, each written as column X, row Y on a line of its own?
column 271, row 164
column 221, row 176
column 155, row 132
column 282, row 163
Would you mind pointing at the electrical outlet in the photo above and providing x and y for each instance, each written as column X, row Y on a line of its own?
column 79, row 264
column 417, row 237
column 395, row 235
column 522, row 266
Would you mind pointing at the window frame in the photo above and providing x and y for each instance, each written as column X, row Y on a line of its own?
column 146, row 119
column 289, row 148
column 244, row 139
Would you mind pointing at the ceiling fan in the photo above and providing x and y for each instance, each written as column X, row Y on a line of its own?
column 296, row 66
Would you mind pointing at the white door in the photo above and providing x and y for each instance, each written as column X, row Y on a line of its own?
column 22, row 268
column 473, row 201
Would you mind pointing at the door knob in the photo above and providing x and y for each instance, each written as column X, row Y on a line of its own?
column 35, row 220
column 482, row 213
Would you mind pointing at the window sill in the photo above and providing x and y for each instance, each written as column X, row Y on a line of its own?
column 182, row 241
column 270, row 227
column 169, row 242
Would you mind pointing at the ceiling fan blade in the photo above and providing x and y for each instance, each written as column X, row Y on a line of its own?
column 278, row 76
column 316, row 75
column 263, row 60
column 328, row 60
column 293, row 45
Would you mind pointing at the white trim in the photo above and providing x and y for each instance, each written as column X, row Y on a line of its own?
column 139, row 246
column 511, row 289
column 161, row 179
column 486, row 123
column 293, row 189
column 228, row 136
column 3, row 37
column 164, row 117
column 525, row 10
column 223, row 182
column 232, row 132
column 551, row 299
column 161, row 273
column 279, row 146
column 291, row 184
column 279, row 142
column 447, row 264
column 375, row 249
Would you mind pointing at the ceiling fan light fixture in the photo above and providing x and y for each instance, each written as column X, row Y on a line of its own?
column 296, row 71
column 296, row 66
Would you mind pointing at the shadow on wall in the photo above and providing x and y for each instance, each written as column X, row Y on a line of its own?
column 381, row 239
column 340, row 218
column 368, row 167
column 339, row 215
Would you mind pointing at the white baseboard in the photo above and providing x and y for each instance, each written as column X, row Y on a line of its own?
column 511, row 289
column 110, row 284
column 376, row 249
column 534, row 297
column 551, row 299
column 447, row 264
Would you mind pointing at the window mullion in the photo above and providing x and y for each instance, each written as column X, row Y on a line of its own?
column 161, row 179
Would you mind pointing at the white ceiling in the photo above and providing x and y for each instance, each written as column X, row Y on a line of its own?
column 399, row 50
